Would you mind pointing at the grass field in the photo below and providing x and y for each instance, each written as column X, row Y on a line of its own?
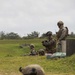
column 12, row 57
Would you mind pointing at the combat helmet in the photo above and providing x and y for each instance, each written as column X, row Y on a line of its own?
column 32, row 69
column 59, row 23
column 32, row 46
column 48, row 33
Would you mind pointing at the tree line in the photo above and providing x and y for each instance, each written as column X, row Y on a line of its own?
column 13, row 35
column 34, row 34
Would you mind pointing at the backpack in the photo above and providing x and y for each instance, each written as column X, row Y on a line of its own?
column 58, row 34
column 67, row 32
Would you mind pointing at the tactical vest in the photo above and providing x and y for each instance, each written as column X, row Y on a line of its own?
column 59, row 33
column 51, row 48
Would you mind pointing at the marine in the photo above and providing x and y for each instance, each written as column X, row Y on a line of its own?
column 50, row 43
column 33, row 69
column 33, row 51
column 61, row 35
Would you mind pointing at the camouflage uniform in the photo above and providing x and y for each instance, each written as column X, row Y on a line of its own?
column 33, row 69
column 61, row 35
column 41, row 52
column 49, row 44
column 33, row 52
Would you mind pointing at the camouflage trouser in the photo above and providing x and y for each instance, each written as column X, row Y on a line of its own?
column 59, row 47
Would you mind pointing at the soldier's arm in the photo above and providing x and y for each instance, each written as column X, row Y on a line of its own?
column 62, row 35
column 51, row 42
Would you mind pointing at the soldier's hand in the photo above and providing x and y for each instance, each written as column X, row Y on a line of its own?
column 58, row 42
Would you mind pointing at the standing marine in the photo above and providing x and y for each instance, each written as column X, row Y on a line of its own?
column 61, row 35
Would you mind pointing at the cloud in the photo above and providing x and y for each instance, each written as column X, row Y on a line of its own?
column 25, row 16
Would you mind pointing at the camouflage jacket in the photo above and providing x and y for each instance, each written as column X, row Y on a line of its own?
column 50, row 46
column 62, row 34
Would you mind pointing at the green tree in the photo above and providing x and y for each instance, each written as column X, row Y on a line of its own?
column 12, row 35
column 33, row 34
column 2, row 35
column 43, row 35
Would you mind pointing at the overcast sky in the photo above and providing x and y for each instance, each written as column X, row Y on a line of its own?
column 26, row 16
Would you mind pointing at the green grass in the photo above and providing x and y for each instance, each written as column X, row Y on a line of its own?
column 11, row 47
column 11, row 58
